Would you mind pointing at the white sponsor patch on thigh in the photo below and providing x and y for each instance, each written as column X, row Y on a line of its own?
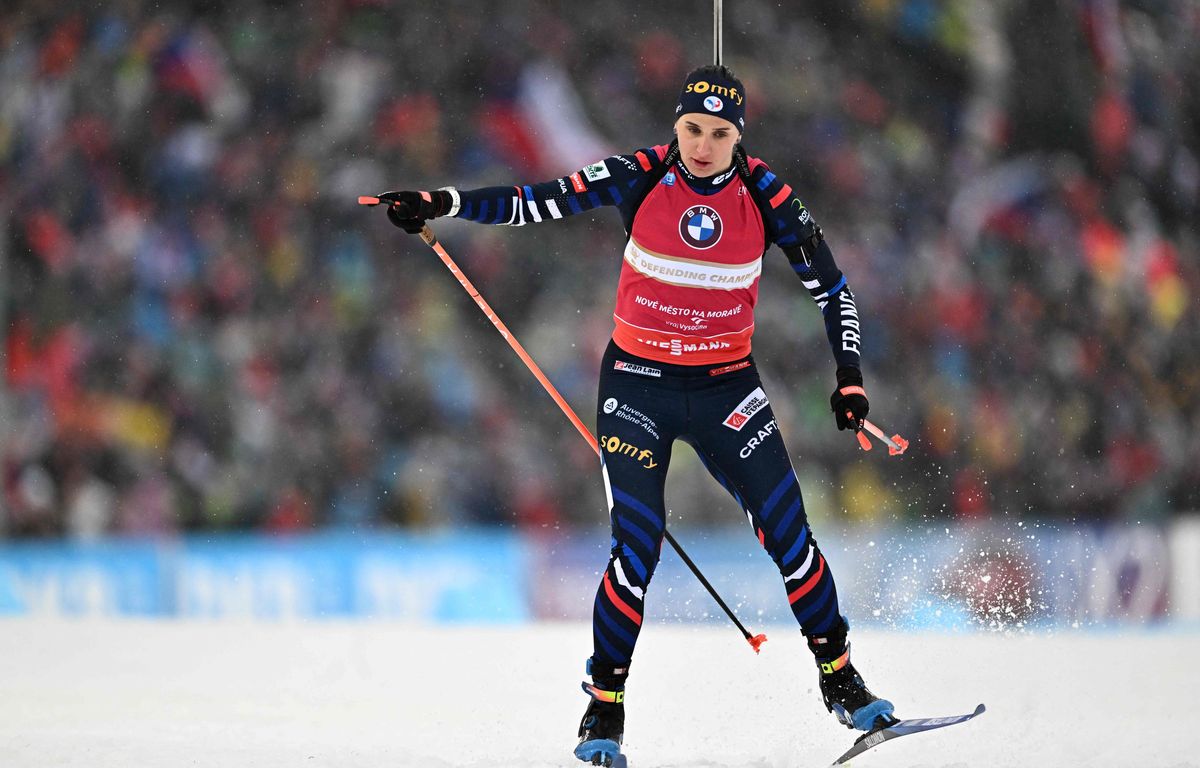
column 754, row 402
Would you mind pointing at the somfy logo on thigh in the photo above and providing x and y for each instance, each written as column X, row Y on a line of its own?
column 610, row 405
column 754, row 402
column 640, row 455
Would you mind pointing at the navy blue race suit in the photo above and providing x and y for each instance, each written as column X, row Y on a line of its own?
column 645, row 403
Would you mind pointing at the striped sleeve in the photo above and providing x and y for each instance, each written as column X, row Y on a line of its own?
column 605, row 182
column 791, row 226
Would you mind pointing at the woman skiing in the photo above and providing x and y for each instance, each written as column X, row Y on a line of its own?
column 699, row 215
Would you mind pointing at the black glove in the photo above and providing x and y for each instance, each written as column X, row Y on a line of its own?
column 409, row 210
column 849, row 396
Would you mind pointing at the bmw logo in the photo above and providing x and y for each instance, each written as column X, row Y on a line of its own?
column 713, row 104
column 700, row 227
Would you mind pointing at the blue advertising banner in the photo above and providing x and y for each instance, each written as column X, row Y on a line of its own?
column 948, row 576
column 460, row 577
column 104, row 578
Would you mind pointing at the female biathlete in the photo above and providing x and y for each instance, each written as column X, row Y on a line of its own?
column 699, row 215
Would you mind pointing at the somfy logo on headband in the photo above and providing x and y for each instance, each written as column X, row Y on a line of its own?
column 704, row 87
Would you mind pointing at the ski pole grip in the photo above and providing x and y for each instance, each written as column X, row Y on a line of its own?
column 863, row 441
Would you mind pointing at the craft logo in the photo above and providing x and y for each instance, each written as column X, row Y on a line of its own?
column 754, row 402
column 610, row 405
column 641, row 370
column 704, row 87
column 713, row 104
column 700, row 227
column 757, row 440
column 625, row 161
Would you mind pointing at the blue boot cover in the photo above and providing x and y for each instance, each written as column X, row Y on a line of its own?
column 864, row 718
column 588, row 750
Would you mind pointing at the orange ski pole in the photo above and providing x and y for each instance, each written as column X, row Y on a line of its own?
column 896, row 444
column 431, row 240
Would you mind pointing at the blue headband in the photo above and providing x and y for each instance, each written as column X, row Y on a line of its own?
column 711, row 95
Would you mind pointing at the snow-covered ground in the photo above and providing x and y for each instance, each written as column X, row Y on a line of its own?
column 166, row 694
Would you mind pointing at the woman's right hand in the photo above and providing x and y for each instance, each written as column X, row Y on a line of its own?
column 409, row 210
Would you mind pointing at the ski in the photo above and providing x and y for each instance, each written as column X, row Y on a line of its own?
column 898, row 728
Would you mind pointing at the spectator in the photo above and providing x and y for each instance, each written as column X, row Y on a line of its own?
column 202, row 332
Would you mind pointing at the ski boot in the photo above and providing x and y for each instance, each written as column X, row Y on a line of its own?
column 842, row 688
column 603, row 725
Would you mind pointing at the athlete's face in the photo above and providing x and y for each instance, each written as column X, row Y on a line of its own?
column 706, row 143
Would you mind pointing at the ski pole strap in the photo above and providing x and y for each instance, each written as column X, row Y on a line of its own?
column 829, row 667
column 455, row 200
column 853, row 391
column 599, row 694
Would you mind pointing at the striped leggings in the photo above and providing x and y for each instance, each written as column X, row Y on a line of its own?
column 723, row 413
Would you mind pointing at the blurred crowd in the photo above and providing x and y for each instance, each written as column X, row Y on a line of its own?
column 203, row 331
